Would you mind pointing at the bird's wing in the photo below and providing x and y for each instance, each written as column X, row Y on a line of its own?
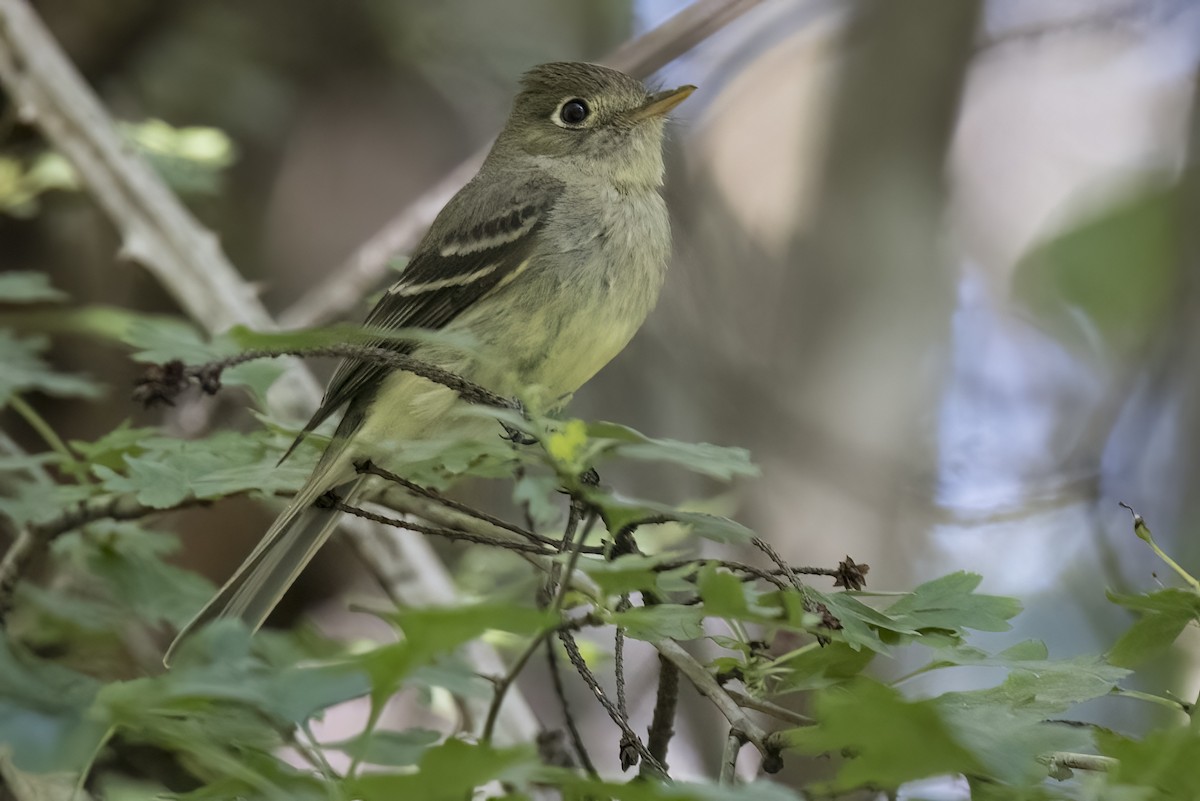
column 450, row 271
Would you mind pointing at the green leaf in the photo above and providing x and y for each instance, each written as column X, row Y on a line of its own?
column 390, row 748
column 860, row 624
column 539, row 495
column 449, row 772
column 660, row 622
column 168, row 472
column 1109, row 279
column 22, row 786
column 129, row 559
column 621, row 512
column 709, row 460
column 1007, row 742
column 216, row 667
column 951, row 603
column 434, row 631
column 1164, row 615
column 110, row 450
column 1043, row 687
column 725, row 595
column 34, row 502
column 161, row 339
column 634, row 572
column 578, row 788
column 190, row 160
column 23, row 370
column 816, row 667
column 891, row 740
column 44, row 718
column 28, row 287
column 1160, row 766
column 223, row 710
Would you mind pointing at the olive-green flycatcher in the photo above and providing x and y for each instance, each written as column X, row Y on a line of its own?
column 549, row 260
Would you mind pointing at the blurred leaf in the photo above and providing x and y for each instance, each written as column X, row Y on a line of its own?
column 111, row 449
column 190, row 160
column 1161, row 766
column 28, row 287
column 35, row 502
column 577, row 788
column 632, row 572
column 660, row 622
column 539, row 495
column 1044, row 688
column 725, row 595
column 1111, row 278
column 21, row 184
column 168, row 472
column 44, row 718
column 818, row 666
column 129, row 559
column 105, row 322
column 22, row 786
column 889, row 740
column 222, row 709
column 1164, row 615
column 449, row 772
column 23, row 370
column 710, row 460
column 951, row 603
column 161, row 339
column 1007, row 741
column 621, row 512
column 434, row 631
column 390, row 748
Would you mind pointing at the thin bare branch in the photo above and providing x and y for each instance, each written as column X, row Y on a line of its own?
column 560, row 692
column 359, row 274
column 628, row 735
column 162, row 382
column 707, row 685
column 453, row 535
column 437, row 497
column 767, row 708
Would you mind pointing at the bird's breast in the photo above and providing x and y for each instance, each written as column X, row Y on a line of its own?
column 594, row 279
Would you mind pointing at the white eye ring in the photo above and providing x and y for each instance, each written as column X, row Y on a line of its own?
column 573, row 113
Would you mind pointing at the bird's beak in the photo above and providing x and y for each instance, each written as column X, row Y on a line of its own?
column 660, row 103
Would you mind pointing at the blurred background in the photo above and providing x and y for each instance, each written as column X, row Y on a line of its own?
column 936, row 262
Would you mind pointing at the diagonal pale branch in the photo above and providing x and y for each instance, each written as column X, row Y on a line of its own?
column 156, row 230
column 366, row 267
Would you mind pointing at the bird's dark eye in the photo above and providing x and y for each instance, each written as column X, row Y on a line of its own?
column 574, row 111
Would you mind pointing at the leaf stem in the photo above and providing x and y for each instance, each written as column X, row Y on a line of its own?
column 43, row 429
column 1142, row 531
column 1169, row 703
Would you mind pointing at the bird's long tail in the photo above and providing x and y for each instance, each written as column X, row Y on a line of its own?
column 289, row 544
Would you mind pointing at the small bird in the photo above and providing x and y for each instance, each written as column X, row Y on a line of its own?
column 549, row 260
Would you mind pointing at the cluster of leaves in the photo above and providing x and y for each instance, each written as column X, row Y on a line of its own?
column 191, row 160
column 83, row 700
